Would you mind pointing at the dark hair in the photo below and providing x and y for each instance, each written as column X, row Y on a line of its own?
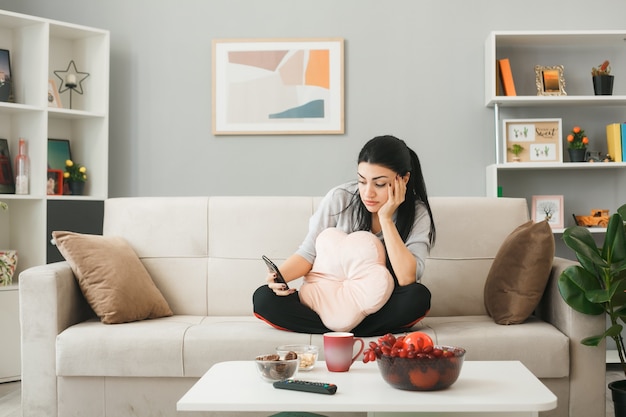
column 393, row 153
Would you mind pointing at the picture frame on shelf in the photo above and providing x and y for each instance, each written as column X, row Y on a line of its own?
column 550, row 80
column 54, row 186
column 53, row 95
column 6, row 79
column 540, row 140
column 298, row 85
column 59, row 151
column 549, row 208
column 7, row 180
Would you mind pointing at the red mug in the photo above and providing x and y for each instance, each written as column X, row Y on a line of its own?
column 339, row 350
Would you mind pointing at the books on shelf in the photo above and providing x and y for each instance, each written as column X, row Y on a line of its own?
column 506, row 75
column 614, row 141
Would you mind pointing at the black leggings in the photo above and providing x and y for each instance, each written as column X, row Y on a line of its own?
column 406, row 306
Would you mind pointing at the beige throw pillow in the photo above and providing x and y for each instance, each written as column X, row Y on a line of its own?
column 112, row 278
column 519, row 273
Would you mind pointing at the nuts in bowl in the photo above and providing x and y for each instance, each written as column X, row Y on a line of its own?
column 414, row 363
column 273, row 367
column 307, row 354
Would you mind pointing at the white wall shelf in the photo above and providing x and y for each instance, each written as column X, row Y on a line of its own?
column 37, row 48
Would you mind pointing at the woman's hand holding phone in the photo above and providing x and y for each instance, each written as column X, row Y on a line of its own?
column 275, row 279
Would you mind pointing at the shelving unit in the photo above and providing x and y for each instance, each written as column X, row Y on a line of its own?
column 585, row 186
column 38, row 47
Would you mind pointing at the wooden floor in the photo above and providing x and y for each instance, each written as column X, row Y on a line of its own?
column 10, row 398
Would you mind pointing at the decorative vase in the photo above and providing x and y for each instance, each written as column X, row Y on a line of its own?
column 8, row 263
column 577, row 155
column 618, row 392
column 76, row 187
column 603, row 85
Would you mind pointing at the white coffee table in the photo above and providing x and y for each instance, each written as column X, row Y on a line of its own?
column 502, row 388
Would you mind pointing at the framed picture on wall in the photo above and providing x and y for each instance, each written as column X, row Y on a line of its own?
column 278, row 86
column 532, row 140
column 58, row 153
column 549, row 208
column 6, row 81
column 7, row 180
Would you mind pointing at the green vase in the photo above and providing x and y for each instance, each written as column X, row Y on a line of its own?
column 577, row 155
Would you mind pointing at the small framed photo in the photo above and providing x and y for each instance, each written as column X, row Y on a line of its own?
column 7, row 181
column 53, row 95
column 550, row 81
column 54, row 186
column 549, row 208
column 532, row 140
column 6, row 82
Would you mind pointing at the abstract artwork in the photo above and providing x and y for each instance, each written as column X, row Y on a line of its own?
column 278, row 87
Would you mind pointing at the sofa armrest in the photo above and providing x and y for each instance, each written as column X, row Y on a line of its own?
column 50, row 302
column 587, row 363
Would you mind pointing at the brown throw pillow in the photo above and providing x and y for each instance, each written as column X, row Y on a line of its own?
column 519, row 273
column 112, row 278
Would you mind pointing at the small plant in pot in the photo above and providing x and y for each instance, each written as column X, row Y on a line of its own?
column 8, row 259
column 598, row 286
column 602, row 79
column 516, row 149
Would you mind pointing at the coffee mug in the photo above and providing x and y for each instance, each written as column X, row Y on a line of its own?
column 339, row 350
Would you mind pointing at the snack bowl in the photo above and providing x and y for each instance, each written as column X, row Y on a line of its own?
column 273, row 367
column 424, row 373
column 307, row 354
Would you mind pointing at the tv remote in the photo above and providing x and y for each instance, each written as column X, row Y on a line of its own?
column 307, row 386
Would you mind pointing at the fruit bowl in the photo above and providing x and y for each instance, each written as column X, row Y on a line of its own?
column 306, row 353
column 424, row 373
column 273, row 367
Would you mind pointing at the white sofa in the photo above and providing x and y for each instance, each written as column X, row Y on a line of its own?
column 204, row 254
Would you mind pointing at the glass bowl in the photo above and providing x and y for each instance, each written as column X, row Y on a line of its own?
column 272, row 368
column 429, row 373
column 307, row 354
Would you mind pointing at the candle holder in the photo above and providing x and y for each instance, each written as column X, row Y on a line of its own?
column 71, row 79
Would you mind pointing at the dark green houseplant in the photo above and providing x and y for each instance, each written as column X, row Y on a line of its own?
column 598, row 285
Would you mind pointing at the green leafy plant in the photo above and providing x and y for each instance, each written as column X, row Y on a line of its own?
column 598, row 285
column 516, row 149
column 604, row 69
column 74, row 172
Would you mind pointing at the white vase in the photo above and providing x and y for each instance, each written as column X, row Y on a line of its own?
column 8, row 263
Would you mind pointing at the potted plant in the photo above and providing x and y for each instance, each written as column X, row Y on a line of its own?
column 516, row 149
column 598, row 286
column 75, row 175
column 577, row 142
column 8, row 259
column 602, row 79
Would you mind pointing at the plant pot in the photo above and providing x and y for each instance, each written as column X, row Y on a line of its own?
column 8, row 263
column 603, row 85
column 618, row 392
column 577, row 155
column 76, row 187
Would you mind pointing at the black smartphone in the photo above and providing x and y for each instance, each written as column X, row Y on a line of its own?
column 271, row 266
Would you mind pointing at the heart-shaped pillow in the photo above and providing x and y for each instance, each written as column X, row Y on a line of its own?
column 349, row 279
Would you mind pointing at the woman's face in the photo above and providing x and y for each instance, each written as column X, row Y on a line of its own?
column 374, row 183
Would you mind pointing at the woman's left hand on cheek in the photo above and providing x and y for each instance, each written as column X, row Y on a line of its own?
column 395, row 197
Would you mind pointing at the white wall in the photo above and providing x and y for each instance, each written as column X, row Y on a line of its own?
column 412, row 68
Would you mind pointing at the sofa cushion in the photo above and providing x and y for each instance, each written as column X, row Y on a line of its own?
column 519, row 273
column 349, row 279
column 112, row 278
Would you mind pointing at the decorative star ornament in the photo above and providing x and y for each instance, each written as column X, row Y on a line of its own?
column 80, row 77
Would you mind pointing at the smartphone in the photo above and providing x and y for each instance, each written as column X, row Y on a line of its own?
column 271, row 266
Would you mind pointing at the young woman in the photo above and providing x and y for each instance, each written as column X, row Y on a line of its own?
column 389, row 200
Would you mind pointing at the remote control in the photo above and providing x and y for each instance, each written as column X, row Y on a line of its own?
column 307, row 386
